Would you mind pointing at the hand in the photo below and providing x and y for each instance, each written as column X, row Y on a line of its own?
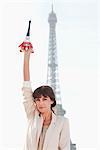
column 28, row 51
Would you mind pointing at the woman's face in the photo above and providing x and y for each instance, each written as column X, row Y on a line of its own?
column 43, row 104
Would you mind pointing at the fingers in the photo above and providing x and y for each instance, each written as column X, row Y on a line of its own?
column 27, row 51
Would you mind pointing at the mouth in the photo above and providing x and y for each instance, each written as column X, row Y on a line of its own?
column 41, row 107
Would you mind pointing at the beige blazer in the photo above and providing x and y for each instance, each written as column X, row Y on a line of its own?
column 57, row 136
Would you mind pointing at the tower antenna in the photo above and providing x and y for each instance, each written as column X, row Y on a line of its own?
column 52, row 4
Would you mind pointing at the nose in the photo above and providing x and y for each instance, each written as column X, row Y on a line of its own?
column 41, row 102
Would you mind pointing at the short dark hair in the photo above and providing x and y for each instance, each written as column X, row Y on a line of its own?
column 45, row 91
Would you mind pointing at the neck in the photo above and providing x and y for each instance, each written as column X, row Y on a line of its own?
column 47, row 115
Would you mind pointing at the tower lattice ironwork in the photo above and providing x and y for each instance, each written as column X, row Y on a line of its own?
column 52, row 72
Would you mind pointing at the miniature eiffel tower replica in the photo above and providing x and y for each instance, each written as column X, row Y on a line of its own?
column 52, row 72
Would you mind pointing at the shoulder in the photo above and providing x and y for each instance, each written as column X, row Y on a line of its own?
column 62, row 119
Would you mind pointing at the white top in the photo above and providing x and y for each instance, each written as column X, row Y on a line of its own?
column 42, row 137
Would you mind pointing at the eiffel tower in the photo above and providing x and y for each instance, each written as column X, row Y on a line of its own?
column 52, row 71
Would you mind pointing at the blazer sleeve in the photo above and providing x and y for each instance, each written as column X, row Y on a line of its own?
column 28, row 102
column 64, row 143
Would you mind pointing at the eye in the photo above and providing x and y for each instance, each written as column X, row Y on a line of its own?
column 45, row 99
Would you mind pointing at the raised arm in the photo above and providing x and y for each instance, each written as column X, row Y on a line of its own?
column 26, row 71
column 29, row 104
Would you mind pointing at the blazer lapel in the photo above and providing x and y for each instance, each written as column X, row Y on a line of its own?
column 39, row 127
column 49, row 131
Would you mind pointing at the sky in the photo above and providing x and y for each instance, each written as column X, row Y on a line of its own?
column 78, row 38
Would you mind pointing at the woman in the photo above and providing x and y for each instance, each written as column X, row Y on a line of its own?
column 46, row 130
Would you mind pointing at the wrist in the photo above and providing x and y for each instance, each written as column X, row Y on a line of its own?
column 26, row 55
